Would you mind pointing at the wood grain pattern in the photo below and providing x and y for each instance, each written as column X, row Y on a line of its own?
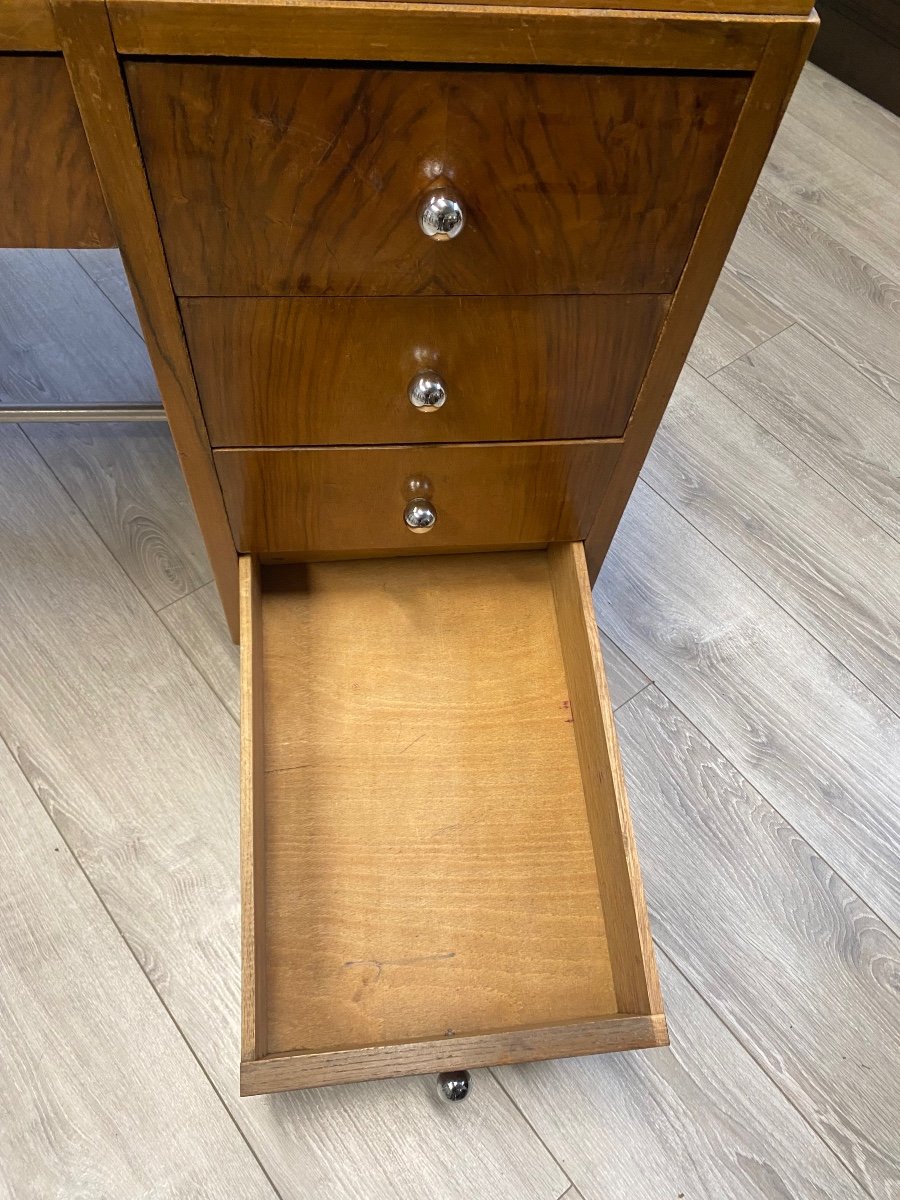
column 308, row 372
column 845, row 427
column 86, row 1047
column 402, row 841
column 390, row 935
column 106, row 270
column 254, row 966
column 96, row 78
column 329, row 501
column 61, row 343
column 785, row 527
column 767, row 98
column 193, row 10
column 851, row 306
column 50, row 195
column 456, row 33
column 625, row 911
column 835, row 1060
column 738, row 319
column 699, row 1118
column 610, row 1035
column 148, row 802
column 623, row 678
column 304, row 180
column 792, row 719
column 130, row 487
column 27, row 25
column 196, row 622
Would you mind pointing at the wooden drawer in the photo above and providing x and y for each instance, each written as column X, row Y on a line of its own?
column 307, row 180
column 49, row 192
column 438, row 868
column 339, row 502
column 338, row 372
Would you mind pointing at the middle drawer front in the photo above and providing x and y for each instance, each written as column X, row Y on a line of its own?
column 344, row 372
column 310, row 180
column 330, row 503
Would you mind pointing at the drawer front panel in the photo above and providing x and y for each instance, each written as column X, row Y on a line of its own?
column 328, row 502
column 49, row 192
column 342, row 372
column 308, row 180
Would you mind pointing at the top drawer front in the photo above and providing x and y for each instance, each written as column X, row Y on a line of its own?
column 307, row 180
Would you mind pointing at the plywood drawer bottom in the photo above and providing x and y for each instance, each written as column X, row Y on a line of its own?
column 437, row 858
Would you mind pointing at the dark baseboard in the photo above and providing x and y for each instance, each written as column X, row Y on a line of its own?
column 859, row 42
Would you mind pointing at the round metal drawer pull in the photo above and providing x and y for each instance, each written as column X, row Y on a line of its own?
column 441, row 216
column 427, row 392
column 419, row 515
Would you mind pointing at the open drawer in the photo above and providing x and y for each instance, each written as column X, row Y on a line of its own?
column 438, row 869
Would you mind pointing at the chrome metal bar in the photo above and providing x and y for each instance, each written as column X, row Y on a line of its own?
column 11, row 413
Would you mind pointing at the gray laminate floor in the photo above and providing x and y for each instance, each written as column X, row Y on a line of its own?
column 751, row 613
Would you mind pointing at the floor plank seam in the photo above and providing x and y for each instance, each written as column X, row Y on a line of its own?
column 828, row 479
column 189, row 656
column 106, row 296
column 115, row 925
column 774, row 599
column 751, row 350
column 496, row 1073
column 749, row 1053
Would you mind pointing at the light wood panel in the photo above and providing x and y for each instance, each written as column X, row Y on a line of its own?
column 307, row 372
column 785, row 527
column 27, row 25
column 61, row 343
column 85, row 1046
column 330, row 502
column 390, row 939
column 766, row 101
column 304, row 180
column 128, row 484
column 96, row 77
column 411, row 823
column 845, row 427
column 700, row 1119
column 464, row 33
column 811, row 934
column 50, row 195
column 148, row 802
column 791, row 718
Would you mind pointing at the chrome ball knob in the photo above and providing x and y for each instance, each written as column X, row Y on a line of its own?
column 427, row 392
column 441, row 216
column 419, row 515
column 454, row 1085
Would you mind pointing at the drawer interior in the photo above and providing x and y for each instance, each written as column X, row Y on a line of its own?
column 437, row 858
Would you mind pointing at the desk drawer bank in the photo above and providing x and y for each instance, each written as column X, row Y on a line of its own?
column 417, row 281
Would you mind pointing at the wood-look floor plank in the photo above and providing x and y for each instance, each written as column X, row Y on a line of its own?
column 106, row 270
column 198, row 625
column 846, row 302
column 61, row 341
column 840, row 115
column 809, row 980
column 698, row 1119
column 623, row 677
column 137, row 761
column 857, row 207
column 799, row 538
column 794, row 721
column 814, row 402
column 126, row 479
column 738, row 319
column 101, row 1096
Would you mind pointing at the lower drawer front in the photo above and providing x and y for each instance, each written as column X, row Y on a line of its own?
column 335, row 502
column 341, row 372
column 437, row 860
